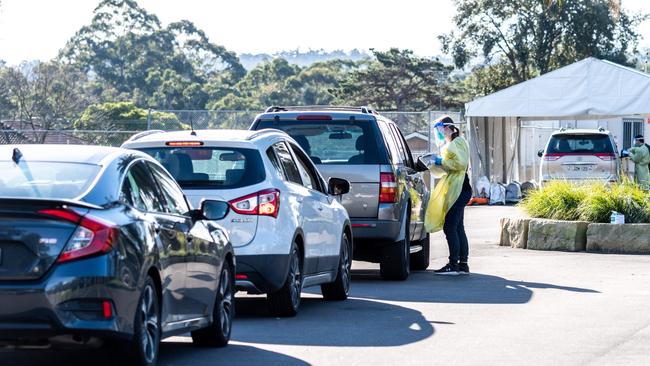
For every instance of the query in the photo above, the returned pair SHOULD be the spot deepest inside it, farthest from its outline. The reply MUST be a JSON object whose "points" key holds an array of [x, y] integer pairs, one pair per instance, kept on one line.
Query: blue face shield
{"points": [[439, 134]]}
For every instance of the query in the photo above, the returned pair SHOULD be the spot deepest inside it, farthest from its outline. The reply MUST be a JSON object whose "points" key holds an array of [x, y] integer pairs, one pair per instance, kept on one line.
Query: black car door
{"points": [[204, 258], [140, 191]]}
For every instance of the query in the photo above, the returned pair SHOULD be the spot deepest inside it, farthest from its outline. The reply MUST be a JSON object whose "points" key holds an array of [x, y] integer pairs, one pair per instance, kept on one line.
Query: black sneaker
{"points": [[463, 268], [449, 269]]}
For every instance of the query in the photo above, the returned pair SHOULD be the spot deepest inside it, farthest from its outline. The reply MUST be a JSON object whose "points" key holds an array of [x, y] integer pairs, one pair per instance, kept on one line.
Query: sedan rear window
{"points": [[46, 179], [210, 167], [589, 144], [333, 142]]}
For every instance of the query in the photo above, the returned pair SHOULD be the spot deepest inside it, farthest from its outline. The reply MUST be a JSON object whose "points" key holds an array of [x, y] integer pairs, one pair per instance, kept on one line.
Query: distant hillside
{"points": [[301, 58]]}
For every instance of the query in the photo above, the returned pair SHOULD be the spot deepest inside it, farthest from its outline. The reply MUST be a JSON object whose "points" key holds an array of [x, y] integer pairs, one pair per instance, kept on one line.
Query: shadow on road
{"points": [[351, 323], [427, 287], [181, 354], [171, 354]]}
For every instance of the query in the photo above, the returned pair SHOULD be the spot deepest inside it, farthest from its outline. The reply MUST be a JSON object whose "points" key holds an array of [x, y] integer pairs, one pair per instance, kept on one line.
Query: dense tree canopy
{"points": [[134, 58], [519, 39], [125, 62]]}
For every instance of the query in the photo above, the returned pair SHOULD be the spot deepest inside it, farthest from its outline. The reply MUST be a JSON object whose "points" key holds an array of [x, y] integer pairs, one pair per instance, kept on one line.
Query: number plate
{"points": [[580, 168]]}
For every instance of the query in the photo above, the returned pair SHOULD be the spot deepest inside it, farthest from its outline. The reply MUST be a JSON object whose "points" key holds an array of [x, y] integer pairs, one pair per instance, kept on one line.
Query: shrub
{"points": [[625, 198], [593, 202], [558, 200]]}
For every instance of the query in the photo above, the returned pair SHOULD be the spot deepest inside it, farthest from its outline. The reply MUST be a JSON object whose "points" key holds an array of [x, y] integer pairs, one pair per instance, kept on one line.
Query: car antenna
{"points": [[193, 133], [17, 154]]}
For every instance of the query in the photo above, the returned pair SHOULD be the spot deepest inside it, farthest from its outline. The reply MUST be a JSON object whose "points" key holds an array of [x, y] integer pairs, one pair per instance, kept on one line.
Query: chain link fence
{"points": [[416, 127]]}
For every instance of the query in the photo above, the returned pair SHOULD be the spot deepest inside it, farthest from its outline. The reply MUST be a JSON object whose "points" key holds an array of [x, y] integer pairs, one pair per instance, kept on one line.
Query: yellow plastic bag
{"points": [[455, 161]]}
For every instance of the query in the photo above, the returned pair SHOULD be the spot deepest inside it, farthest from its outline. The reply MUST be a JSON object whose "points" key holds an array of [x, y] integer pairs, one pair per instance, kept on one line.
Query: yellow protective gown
{"points": [[455, 160], [640, 155]]}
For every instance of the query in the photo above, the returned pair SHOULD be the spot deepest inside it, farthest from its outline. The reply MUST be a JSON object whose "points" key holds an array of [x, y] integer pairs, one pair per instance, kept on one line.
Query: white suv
{"points": [[287, 226]]}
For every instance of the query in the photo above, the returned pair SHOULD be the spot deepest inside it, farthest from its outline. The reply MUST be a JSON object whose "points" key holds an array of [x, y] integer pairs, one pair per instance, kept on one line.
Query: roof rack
{"points": [[337, 108], [142, 134]]}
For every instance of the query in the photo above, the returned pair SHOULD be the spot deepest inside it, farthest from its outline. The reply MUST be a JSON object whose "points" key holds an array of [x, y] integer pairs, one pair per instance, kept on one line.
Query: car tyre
{"points": [[420, 260], [217, 334], [142, 350], [340, 288], [286, 301], [395, 264]]}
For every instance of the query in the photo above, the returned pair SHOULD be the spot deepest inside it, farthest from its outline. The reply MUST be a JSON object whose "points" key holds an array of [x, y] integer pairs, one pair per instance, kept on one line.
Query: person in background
{"points": [[640, 155], [446, 210]]}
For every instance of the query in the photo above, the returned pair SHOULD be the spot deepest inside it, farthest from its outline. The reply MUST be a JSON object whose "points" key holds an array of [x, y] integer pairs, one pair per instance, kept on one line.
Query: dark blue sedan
{"points": [[98, 246]]}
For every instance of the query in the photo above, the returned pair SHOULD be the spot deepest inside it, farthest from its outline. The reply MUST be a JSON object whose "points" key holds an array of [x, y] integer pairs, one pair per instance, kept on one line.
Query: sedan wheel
{"points": [[218, 333]]}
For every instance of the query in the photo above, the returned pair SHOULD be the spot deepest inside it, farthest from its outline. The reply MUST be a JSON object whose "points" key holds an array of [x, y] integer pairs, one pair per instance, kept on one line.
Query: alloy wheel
{"points": [[150, 330], [226, 304]]}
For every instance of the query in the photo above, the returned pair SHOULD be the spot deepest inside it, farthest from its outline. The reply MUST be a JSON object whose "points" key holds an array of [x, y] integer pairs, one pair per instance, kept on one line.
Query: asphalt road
{"points": [[517, 307]]}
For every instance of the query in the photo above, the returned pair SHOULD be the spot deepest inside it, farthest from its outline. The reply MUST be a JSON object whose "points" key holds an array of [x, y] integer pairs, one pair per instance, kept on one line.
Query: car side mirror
{"points": [[540, 153], [421, 166], [338, 186], [214, 210], [625, 154]]}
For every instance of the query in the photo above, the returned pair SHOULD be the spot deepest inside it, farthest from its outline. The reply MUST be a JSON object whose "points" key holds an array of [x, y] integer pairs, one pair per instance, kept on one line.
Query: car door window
{"points": [[139, 190], [308, 177], [174, 199], [277, 167], [401, 143], [400, 148], [289, 165], [390, 140]]}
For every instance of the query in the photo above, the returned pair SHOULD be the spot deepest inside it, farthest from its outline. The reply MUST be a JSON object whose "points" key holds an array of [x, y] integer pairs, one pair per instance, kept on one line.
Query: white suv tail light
{"points": [[263, 203]]}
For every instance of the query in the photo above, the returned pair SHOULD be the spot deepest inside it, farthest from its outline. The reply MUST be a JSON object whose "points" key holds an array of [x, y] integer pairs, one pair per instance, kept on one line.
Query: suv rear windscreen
{"points": [[576, 144], [333, 142], [210, 167]]}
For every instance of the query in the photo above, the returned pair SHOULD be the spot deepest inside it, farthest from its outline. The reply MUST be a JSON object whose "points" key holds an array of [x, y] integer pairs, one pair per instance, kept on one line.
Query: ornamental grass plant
{"points": [[592, 202]]}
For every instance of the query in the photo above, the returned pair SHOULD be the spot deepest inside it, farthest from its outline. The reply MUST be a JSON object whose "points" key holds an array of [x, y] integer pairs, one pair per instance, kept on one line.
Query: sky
{"points": [[37, 29]]}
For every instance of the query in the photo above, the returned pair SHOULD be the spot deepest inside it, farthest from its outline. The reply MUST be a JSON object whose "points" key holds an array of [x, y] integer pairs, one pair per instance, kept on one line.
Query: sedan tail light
{"points": [[263, 203], [92, 236], [387, 188]]}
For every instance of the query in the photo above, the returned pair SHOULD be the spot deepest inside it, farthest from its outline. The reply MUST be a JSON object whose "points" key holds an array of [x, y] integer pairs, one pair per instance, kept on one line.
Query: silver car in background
{"points": [[580, 155], [388, 195]]}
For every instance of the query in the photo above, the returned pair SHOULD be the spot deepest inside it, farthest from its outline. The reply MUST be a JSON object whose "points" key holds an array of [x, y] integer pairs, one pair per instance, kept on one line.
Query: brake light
{"points": [[553, 156], [606, 156], [107, 309], [314, 117], [184, 143], [387, 188], [92, 236], [241, 277], [263, 203]]}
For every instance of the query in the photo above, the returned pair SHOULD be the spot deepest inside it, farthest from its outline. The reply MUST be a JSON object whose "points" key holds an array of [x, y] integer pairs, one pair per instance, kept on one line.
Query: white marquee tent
{"points": [[586, 90]]}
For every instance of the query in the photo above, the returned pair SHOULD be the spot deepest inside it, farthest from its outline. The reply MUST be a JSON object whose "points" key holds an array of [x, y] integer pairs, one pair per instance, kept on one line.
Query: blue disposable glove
{"points": [[438, 160]]}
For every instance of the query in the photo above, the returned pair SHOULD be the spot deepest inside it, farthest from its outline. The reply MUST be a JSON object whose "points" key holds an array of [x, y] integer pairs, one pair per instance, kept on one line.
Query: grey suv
{"points": [[388, 195]]}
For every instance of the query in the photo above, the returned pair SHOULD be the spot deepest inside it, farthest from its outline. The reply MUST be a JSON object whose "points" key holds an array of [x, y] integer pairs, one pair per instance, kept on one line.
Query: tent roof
{"points": [[587, 89]]}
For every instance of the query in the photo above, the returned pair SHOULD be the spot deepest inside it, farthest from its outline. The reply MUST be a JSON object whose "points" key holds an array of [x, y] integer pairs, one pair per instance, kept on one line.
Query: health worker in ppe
{"points": [[640, 155], [446, 209]]}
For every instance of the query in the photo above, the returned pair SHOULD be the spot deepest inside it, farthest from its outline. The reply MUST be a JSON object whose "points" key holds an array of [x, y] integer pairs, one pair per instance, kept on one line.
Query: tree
{"points": [[133, 56], [45, 95], [529, 37], [115, 120], [397, 80]]}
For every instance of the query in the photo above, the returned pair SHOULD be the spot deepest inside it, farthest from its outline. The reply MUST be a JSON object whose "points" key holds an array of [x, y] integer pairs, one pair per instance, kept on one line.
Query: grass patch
{"points": [[592, 202]]}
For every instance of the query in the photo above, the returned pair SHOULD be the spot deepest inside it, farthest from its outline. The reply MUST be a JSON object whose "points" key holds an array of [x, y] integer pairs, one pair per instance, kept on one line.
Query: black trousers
{"points": [[454, 228]]}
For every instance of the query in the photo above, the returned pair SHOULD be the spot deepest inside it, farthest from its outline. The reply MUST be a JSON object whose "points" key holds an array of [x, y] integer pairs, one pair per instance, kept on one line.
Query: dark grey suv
{"points": [[388, 195], [99, 244]]}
